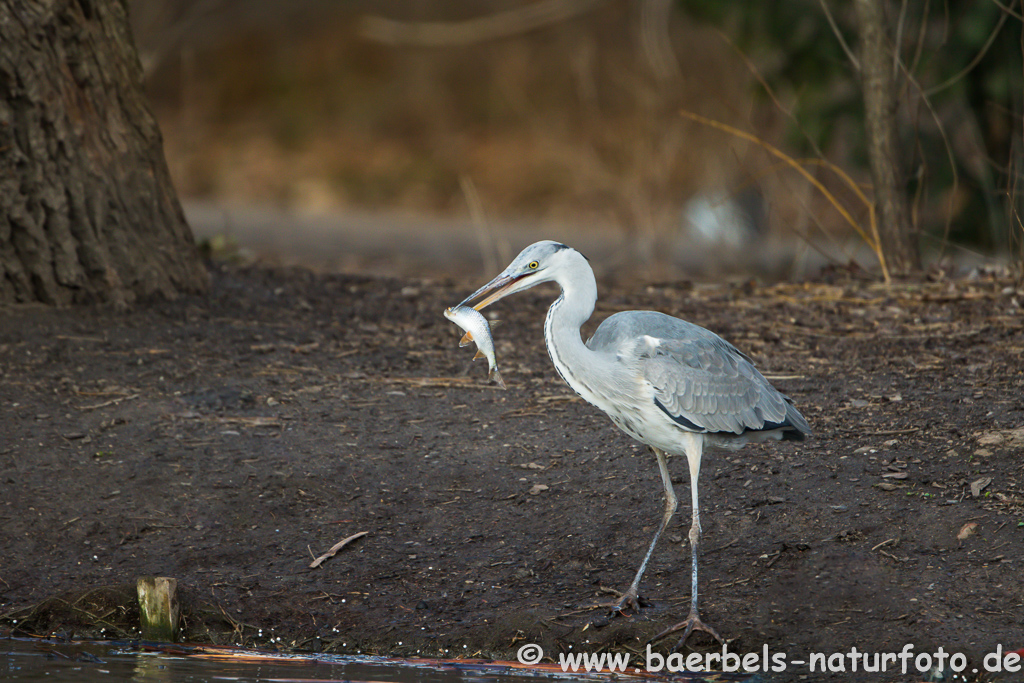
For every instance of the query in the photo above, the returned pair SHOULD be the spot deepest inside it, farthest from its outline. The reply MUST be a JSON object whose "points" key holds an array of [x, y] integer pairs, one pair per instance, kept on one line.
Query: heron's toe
{"points": [[688, 626], [627, 601]]}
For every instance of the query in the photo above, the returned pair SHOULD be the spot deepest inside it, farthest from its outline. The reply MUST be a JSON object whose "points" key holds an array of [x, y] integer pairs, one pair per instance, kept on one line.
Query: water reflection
{"points": [[61, 662]]}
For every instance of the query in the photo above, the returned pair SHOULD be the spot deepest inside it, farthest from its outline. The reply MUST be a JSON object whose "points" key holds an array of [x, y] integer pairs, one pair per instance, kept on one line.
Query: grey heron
{"points": [[666, 382]]}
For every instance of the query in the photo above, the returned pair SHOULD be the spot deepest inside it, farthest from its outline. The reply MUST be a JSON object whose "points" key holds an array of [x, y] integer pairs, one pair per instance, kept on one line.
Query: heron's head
{"points": [[539, 262]]}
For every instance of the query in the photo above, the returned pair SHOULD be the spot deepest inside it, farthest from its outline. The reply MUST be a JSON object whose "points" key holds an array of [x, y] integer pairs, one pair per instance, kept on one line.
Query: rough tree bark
{"points": [[898, 240], [87, 208]]}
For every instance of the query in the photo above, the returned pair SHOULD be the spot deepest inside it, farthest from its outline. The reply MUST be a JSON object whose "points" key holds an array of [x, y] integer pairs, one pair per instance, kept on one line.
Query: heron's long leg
{"points": [[629, 598], [694, 462], [692, 622]]}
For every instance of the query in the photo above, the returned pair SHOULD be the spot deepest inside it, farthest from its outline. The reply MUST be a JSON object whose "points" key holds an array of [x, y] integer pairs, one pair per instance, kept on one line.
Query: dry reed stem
{"points": [[873, 241]]}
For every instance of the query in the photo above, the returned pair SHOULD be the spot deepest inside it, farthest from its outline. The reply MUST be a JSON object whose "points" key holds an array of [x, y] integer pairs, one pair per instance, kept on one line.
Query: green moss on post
{"points": [[158, 605]]}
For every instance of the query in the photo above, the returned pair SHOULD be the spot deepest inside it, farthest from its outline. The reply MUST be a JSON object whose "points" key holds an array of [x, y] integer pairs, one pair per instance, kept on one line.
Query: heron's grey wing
{"points": [[707, 385]]}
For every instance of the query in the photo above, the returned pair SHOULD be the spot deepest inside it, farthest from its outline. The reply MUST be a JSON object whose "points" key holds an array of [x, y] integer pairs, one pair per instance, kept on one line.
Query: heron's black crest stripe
{"points": [[679, 419], [559, 247]]}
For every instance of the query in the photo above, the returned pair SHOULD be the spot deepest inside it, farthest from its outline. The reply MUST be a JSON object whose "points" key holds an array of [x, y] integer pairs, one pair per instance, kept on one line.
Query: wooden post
{"points": [[158, 605]]}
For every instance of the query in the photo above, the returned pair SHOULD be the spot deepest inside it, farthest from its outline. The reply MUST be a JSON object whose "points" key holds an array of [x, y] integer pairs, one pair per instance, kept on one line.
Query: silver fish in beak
{"points": [[479, 331]]}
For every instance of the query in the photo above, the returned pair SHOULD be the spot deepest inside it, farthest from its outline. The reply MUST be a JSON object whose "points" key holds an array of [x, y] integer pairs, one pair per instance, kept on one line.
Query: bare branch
{"points": [[1009, 9], [756, 73], [977, 58], [920, 38], [839, 35], [898, 42], [949, 152]]}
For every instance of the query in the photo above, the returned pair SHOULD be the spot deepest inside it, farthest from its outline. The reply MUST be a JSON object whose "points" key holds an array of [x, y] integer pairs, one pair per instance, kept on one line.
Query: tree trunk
{"points": [[898, 240], [87, 208]]}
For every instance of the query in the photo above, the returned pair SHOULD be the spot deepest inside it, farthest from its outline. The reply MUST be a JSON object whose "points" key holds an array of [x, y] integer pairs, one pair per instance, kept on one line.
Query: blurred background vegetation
{"points": [[564, 114]]}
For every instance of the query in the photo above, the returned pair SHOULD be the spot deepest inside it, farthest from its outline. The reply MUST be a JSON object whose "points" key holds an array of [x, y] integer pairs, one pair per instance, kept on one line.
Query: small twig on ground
{"points": [[723, 547], [883, 544], [112, 402], [893, 557], [95, 617], [250, 421], [887, 432], [737, 582], [453, 382], [335, 548], [235, 626]]}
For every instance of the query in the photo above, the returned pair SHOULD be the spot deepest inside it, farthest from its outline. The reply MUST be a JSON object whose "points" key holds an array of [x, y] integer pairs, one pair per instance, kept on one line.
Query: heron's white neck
{"points": [[576, 363]]}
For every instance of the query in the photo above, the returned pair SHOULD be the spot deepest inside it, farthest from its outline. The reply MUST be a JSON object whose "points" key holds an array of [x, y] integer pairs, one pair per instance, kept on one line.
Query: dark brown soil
{"points": [[228, 440]]}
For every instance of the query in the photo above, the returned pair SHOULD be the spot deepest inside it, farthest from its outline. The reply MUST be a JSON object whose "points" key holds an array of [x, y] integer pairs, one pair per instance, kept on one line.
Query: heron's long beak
{"points": [[498, 288]]}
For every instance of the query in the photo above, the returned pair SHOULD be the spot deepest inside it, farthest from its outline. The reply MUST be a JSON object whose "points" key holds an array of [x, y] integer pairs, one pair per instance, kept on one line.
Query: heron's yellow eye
{"points": [[534, 265]]}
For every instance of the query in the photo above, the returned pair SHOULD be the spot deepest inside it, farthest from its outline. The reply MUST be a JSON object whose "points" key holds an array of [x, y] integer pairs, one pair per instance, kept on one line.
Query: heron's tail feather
{"points": [[798, 427]]}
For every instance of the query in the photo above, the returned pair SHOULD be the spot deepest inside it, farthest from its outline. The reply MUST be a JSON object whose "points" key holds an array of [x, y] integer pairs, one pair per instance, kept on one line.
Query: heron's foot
{"points": [[688, 626], [627, 601]]}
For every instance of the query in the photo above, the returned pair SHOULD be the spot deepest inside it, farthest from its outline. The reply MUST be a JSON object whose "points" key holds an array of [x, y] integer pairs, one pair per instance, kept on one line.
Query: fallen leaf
{"points": [[967, 530], [1012, 500], [1015, 437], [991, 439], [978, 485], [538, 488], [894, 475]]}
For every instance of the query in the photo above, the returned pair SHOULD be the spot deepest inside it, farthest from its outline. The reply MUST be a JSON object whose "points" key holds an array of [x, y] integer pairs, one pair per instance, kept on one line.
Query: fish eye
{"points": [[534, 265]]}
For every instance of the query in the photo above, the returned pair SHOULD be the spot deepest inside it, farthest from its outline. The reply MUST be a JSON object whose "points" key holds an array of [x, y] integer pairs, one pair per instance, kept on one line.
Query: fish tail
{"points": [[493, 374]]}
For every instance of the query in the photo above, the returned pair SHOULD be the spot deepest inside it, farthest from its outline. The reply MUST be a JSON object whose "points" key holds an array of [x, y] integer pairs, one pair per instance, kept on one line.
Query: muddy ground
{"points": [[227, 440]]}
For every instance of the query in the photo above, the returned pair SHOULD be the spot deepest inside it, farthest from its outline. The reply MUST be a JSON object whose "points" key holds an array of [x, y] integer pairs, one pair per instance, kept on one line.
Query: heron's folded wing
{"points": [[706, 385]]}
